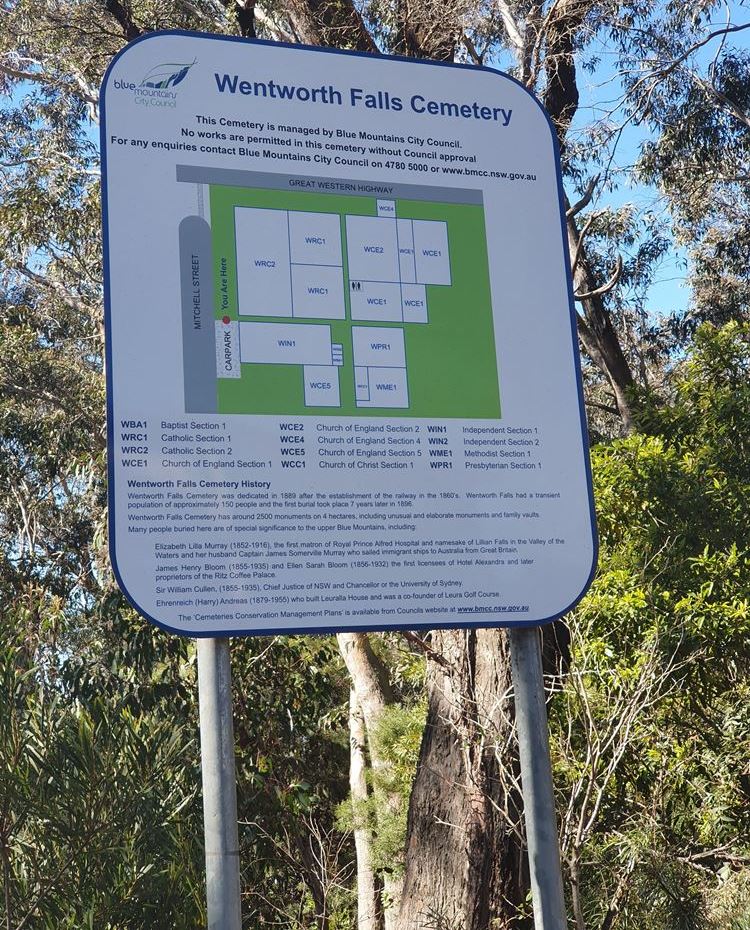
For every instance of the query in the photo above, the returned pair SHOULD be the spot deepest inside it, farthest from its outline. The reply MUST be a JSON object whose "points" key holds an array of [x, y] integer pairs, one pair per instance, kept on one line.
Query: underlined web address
{"points": [[501, 609], [478, 173]]}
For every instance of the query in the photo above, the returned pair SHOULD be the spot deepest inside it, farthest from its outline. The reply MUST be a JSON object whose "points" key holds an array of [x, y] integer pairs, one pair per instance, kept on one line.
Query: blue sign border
{"points": [[491, 620]]}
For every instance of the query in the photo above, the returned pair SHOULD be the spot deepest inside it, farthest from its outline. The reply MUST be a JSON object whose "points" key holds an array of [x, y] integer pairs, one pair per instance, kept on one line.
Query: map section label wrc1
{"points": [[343, 389]]}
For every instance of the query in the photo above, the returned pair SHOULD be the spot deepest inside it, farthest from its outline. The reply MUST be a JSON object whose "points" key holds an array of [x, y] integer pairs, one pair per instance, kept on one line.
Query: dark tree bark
{"points": [[464, 860], [419, 36], [124, 17], [244, 11], [555, 648], [336, 23], [246, 18], [561, 93]]}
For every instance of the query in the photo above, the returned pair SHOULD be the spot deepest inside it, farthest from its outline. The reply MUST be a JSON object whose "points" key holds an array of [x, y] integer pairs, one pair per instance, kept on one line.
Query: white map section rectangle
{"points": [[380, 346], [262, 244], [406, 251], [361, 384], [386, 208], [414, 303], [379, 301], [372, 248], [387, 388], [431, 252], [318, 291], [315, 238], [321, 386], [285, 344], [227, 350]]}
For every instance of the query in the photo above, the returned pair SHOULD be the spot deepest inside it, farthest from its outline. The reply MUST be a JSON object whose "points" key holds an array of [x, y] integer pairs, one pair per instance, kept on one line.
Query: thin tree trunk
{"points": [[371, 685], [574, 867], [595, 327], [369, 677], [369, 915], [598, 334]]}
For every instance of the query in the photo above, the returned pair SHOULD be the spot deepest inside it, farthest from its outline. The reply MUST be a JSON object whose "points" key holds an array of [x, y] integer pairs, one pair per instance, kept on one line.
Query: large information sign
{"points": [[342, 370]]}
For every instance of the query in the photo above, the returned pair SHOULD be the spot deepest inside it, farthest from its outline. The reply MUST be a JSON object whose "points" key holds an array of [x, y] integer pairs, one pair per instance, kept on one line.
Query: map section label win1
{"points": [[343, 389]]}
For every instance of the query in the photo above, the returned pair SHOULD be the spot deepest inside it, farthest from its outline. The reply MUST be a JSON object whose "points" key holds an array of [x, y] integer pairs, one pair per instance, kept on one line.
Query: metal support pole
{"points": [[219, 785], [536, 779]]}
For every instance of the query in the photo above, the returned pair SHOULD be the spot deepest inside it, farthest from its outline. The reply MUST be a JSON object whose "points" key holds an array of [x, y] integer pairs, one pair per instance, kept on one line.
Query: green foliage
{"points": [[291, 698], [398, 736], [99, 809], [397, 739], [652, 728], [730, 904]]}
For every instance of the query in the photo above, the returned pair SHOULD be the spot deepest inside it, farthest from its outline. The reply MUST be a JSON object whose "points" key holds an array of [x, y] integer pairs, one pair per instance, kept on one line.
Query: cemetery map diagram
{"points": [[312, 296]]}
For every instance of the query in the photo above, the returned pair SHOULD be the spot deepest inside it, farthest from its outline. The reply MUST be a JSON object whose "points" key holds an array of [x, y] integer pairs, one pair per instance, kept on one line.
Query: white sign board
{"points": [[342, 359]]}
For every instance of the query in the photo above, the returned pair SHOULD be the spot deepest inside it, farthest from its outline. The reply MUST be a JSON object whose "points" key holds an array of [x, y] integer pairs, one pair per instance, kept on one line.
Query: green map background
{"points": [[451, 361]]}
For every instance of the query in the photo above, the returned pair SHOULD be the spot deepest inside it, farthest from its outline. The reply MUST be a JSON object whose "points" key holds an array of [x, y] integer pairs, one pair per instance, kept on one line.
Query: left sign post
{"points": [[219, 786], [221, 839]]}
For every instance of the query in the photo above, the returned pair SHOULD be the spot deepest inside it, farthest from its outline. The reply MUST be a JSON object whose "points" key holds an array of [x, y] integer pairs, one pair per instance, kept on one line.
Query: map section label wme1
{"points": [[343, 388]]}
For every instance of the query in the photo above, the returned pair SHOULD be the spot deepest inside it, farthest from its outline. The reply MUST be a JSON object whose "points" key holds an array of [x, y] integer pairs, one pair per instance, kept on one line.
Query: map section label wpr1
{"points": [[343, 389]]}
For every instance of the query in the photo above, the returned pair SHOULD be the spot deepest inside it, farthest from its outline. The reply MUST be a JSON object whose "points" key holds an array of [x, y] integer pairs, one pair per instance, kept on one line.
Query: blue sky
{"points": [[600, 92]]}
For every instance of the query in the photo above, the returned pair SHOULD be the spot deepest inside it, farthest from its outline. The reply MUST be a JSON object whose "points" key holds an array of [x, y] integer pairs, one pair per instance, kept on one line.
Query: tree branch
{"points": [[585, 200], [40, 77], [423, 647], [651, 79], [471, 49], [124, 18], [726, 102], [511, 28], [579, 245], [606, 287], [605, 407]]}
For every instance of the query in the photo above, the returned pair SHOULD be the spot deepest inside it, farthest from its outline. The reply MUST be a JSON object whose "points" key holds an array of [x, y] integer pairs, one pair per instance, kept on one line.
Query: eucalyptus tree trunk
{"points": [[464, 861]]}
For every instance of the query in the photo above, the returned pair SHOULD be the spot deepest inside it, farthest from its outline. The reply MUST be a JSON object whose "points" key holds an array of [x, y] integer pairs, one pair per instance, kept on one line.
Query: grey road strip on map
{"points": [[230, 177], [198, 328]]}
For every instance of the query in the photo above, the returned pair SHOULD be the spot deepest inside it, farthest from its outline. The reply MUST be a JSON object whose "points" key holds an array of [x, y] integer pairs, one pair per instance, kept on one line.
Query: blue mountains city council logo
{"points": [[164, 76], [156, 89]]}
